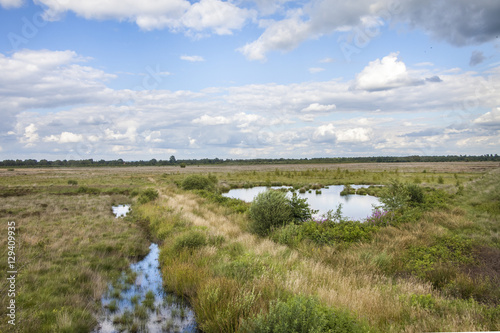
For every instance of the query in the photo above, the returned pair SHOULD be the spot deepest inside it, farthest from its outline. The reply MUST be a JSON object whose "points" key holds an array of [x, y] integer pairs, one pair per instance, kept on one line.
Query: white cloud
{"points": [[192, 58], [324, 133], [154, 136], [220, 17], [314, 70], [30, 136], [64, 137], [209, 120], [490, 119], [95, 121], [129, 136], [49, 79], [316, 107], [283, 35], [353, 135], [383, 74], [11, 3], [459, 22]]}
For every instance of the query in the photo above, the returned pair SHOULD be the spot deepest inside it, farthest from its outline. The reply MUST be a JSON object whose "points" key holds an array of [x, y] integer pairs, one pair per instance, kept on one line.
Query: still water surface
{"points": [[169, 315], [356, 207]]}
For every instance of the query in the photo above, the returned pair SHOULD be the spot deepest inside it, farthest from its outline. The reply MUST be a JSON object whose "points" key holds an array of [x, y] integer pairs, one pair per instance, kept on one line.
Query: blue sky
{"points": [[248, 79]]}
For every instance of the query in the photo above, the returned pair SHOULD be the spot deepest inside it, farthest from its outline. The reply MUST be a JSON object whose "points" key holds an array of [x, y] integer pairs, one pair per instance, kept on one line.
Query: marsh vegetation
{"points": [[427, 260]]}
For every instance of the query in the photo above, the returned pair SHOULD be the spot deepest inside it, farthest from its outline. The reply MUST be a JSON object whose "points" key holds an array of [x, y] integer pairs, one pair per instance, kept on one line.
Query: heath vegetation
{"points": [[425, 260]]}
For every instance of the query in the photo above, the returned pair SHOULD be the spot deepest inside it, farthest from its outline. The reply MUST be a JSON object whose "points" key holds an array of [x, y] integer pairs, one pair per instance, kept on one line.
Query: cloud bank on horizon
{"points": [[210, 78]]}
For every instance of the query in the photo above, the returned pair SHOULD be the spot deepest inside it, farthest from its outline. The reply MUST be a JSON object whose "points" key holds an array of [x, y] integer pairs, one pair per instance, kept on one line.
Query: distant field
{"points": [[467, 167]]}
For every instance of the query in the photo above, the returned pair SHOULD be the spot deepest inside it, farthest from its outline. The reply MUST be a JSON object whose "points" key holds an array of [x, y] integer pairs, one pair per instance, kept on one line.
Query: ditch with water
{"points": [[356, 207], [137, 302]]}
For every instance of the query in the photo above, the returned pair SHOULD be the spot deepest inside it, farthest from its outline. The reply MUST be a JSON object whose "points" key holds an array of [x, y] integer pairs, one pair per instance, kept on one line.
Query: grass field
{"points": [[436, 269]]}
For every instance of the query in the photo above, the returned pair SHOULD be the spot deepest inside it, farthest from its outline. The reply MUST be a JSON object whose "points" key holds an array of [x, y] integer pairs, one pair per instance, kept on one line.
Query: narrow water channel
{"points": [[137, 302]]}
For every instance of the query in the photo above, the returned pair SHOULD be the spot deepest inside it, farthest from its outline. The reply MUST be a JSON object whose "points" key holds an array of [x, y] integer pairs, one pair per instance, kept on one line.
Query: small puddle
{"points": [[121, 210], [137, 302]]}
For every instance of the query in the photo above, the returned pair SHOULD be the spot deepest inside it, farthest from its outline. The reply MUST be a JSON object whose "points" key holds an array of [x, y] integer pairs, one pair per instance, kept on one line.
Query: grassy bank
{"points": [[429, 272]]}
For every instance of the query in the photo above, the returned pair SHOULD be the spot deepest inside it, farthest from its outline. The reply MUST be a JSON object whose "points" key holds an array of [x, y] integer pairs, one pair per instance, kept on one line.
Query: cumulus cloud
{"points": [[219, 17], [383, 74], [11, 3]]}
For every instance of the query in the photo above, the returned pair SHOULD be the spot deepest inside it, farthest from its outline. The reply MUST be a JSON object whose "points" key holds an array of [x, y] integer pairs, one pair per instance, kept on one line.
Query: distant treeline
{"points": [[172, 161]]}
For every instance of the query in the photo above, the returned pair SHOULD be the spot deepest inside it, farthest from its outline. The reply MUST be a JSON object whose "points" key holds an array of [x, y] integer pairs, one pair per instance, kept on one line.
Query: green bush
{"points": [[395, 196], [199, 182], [301, 211], [190, 240], [147, 196], [270, 209], [415, 194], [182, 165], [301, 314], [398, 196]]}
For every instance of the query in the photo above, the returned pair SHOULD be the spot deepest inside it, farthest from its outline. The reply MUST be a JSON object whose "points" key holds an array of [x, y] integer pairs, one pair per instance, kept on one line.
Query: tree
{"points": [[172, 159]]}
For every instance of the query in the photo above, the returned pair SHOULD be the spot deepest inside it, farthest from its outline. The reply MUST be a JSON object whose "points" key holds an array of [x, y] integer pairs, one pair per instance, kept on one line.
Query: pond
{"points": [[356, 207], [138, 302]]}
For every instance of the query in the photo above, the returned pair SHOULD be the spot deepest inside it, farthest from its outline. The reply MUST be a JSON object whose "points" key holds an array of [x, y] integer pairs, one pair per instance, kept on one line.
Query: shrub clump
{"points": [[147, 196], [400, 196], [348, 189], [199, 182], [301, 211], [269, 210], [302, 314]]}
